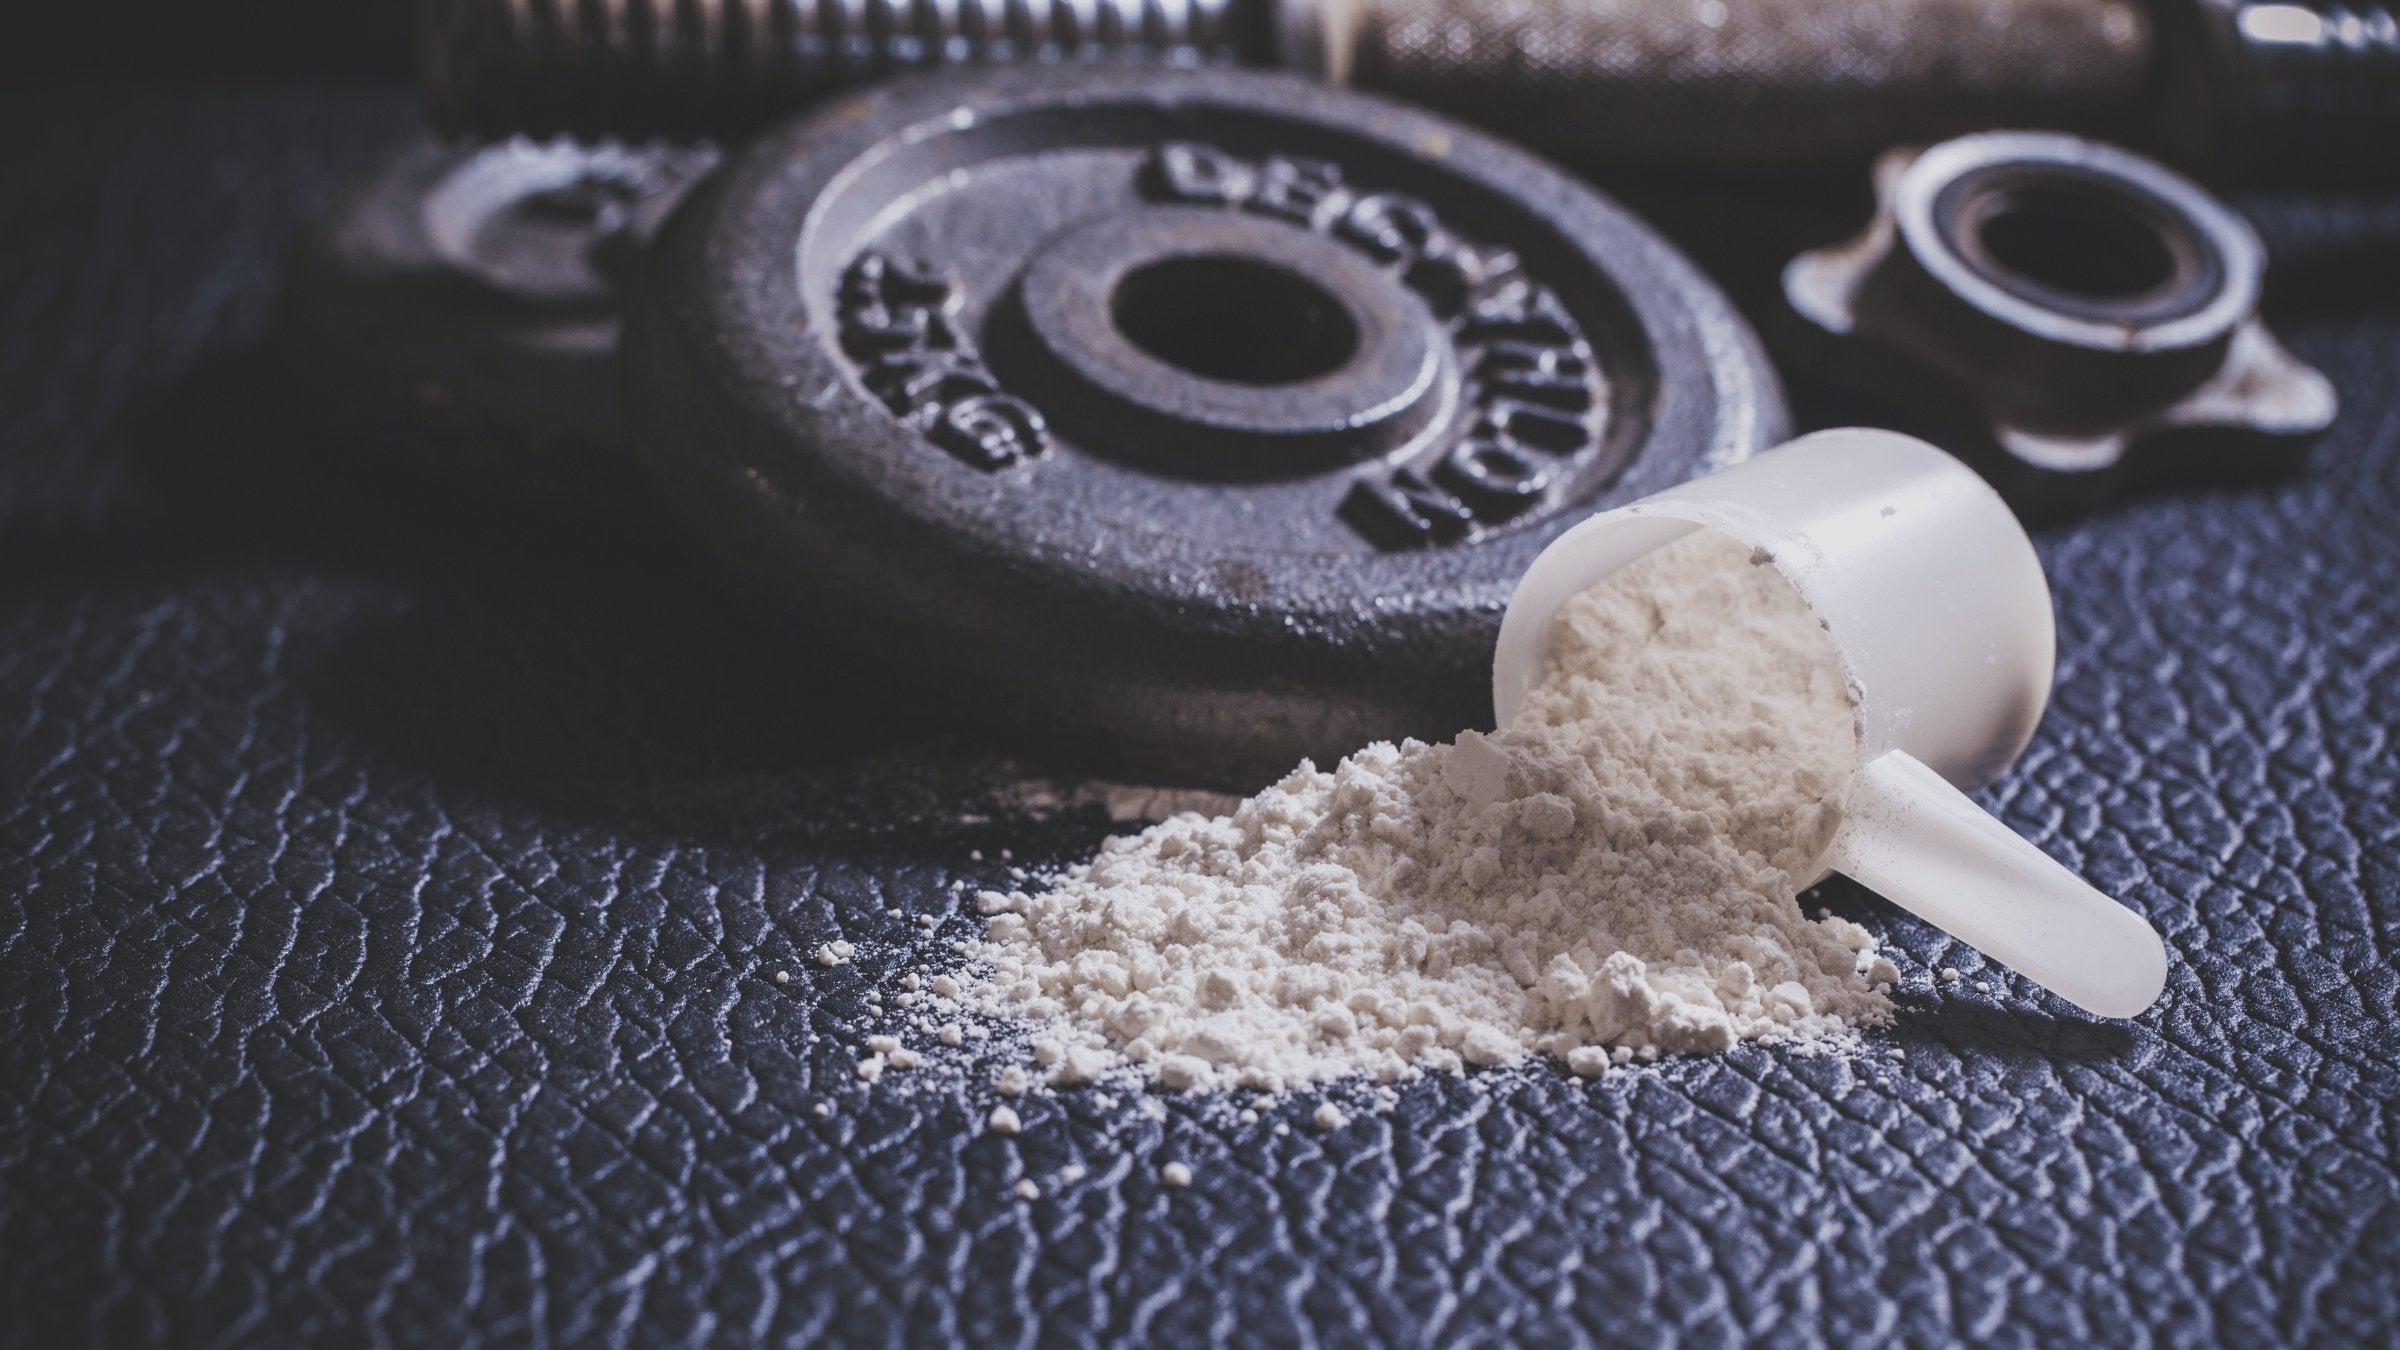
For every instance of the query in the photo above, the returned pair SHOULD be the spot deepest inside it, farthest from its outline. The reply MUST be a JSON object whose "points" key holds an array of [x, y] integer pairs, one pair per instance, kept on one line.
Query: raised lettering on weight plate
{"points": [[1190, 172], [1399, 509], [1531, 376], [1390, 227], [991, 430], [1560, 377], [1494, 475], [896, 325]]}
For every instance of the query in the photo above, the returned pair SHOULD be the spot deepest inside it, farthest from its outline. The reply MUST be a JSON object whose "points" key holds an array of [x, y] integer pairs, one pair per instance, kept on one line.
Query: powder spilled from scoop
{"points": [[1613, 877]]}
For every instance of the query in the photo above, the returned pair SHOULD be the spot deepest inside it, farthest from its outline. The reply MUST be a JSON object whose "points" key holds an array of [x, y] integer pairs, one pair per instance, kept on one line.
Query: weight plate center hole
{"points": [[2077, 242], [1234, 319]]}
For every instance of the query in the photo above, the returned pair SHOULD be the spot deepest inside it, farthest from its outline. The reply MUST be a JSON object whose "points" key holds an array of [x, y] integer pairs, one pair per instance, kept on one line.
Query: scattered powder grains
{"points": [[1611, 877]]}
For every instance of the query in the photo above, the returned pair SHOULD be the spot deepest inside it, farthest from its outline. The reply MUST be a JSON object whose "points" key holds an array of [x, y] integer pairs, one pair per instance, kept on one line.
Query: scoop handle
{"points": [[1926, 847]]}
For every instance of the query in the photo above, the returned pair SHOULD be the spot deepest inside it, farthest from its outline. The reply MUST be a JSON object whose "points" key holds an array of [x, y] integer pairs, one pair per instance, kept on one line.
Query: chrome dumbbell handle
{"points": [[716, 67], [1755, 82], [2219, 85]]}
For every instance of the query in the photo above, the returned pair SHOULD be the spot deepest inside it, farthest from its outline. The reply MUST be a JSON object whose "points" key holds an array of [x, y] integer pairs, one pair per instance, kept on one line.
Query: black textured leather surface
{"points": [[390, 890]]}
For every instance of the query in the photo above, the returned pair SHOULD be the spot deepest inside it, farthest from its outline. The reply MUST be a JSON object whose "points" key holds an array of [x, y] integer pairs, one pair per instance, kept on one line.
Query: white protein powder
{"points": [[1611, 877]]}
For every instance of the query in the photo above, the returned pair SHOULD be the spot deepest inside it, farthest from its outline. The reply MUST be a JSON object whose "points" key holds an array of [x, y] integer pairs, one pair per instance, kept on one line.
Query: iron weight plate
{"points": [[1190, 422], [459, 312]]}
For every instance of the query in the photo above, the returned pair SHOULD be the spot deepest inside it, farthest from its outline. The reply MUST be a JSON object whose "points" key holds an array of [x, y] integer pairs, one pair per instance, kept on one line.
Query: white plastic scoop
{"points": [[1942, 617]]}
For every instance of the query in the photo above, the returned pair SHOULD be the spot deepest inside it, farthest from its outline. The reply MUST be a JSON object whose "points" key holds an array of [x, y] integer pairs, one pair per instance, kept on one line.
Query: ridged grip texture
{"points": [[1755, 81], [720, 67]]}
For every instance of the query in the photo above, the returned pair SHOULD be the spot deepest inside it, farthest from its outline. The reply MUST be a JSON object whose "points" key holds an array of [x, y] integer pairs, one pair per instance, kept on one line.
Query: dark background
{"points": [[215, 41], [390, 885]]}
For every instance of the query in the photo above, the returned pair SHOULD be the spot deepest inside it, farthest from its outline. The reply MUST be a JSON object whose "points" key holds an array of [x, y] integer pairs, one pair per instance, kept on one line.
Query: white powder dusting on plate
{"points": [[1612, 877], [1124, 802]]}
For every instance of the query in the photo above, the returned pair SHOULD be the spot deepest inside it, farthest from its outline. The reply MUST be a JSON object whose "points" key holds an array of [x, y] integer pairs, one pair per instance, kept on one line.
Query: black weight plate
{"points": [[459, 312], [1199, 420]]}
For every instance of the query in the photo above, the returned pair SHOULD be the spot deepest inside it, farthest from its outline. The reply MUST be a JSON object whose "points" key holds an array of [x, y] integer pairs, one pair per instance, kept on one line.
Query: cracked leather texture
{"points": [[391, 888]]}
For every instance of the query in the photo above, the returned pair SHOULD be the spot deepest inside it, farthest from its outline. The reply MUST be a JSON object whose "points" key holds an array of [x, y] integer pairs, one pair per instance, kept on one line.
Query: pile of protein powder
{"points": [[1612, 877]]}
